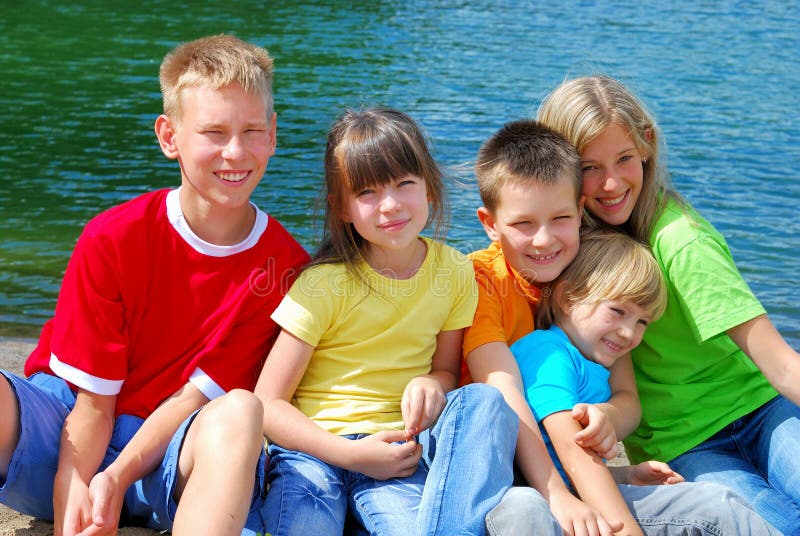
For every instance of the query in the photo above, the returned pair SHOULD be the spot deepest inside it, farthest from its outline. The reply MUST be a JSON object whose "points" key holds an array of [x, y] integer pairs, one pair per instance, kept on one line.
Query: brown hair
{"points": [[521, 152], [371, 147]]}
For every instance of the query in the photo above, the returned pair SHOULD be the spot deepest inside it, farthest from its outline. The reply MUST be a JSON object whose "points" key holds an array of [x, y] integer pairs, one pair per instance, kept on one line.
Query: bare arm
{"points": [[288, 427], [139, 457], [588, 472], [84, 440], [606, 423], [424, 396], [494, 364], [779, 363]]}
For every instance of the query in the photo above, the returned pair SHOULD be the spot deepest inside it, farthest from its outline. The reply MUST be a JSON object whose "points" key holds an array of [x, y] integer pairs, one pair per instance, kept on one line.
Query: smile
{"points": [[612, 346], [393, 225], [544, 259], [613, 203], [232, 176]]}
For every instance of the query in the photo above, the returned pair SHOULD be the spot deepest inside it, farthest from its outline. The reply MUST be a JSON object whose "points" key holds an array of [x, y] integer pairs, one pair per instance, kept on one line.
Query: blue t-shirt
{"points": [[556, 376]]}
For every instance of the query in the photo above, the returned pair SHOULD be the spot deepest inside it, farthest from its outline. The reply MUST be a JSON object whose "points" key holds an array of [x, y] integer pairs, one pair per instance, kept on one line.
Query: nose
{"points": [[542, 237], [233, 149], [610, 183], [389, 201]]}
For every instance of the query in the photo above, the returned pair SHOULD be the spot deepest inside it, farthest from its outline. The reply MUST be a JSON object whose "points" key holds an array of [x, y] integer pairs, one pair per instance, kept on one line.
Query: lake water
{"points": [[80, 93]]}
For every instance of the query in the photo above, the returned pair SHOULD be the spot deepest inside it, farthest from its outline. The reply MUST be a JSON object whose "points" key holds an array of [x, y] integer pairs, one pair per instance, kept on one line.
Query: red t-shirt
{"points": [[146, 305]]}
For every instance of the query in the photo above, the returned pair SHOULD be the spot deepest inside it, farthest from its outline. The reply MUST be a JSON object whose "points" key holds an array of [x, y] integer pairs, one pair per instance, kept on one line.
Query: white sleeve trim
{"points": [[207, 386], [75, 376]]}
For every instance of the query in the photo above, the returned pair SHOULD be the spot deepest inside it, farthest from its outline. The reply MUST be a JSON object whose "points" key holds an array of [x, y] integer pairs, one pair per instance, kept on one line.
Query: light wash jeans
{"points": [[758, 456], [693, 508], [465, 469], [690, 509]]}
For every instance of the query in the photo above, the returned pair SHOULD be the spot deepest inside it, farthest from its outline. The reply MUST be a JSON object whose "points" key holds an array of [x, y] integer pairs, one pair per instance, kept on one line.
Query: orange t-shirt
{"points": [[506, 304]]}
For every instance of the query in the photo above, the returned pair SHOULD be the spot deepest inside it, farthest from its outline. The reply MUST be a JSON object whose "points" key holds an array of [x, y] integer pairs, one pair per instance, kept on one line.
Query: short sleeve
{"points": [[465, 293], [309, 309], [551, 383], [712, 294], [487, 325], [89, 343]]}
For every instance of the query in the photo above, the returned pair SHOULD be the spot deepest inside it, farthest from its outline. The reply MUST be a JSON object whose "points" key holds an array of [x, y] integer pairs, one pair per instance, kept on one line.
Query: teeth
{"points": [[544, 257], [232, 177], [609, 202]]}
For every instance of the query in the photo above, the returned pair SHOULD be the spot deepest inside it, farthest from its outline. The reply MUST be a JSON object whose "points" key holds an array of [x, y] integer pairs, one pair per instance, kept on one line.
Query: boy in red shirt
{"points": [[161, 326]]}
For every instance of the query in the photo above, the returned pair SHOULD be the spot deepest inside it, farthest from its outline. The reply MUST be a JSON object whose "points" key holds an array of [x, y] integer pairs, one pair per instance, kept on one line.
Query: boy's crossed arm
{"points": [[92, 505]]}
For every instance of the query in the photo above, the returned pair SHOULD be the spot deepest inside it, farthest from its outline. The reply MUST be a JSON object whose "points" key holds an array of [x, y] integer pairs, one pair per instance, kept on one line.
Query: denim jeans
{"points": [[758, 456], [693, 508], [522, 512], [465, 469]]}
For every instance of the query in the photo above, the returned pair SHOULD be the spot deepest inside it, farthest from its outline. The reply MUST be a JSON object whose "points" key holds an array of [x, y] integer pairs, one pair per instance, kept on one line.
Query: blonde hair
{"points": [[371, 147], [525, 152], [215, 62], [580, 109], [610, 266]]}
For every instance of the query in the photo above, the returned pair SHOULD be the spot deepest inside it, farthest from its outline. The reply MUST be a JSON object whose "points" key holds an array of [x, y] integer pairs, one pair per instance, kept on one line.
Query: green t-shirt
{"points": [[693, 380], [372, 334]]}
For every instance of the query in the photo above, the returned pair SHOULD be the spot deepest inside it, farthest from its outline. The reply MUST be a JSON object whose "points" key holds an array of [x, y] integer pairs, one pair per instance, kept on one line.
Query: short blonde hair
{"points": [[610, 266], [525, 152], [581, 108], [215, 61]]}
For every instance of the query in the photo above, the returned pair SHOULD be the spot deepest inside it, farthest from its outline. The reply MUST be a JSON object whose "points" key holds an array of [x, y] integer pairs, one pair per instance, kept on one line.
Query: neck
{"points": [[218, 225], [397, 264]]}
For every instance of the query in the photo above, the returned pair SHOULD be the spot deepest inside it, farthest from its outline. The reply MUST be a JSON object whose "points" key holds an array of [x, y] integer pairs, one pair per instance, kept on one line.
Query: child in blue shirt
{"points": [[596, 312]]}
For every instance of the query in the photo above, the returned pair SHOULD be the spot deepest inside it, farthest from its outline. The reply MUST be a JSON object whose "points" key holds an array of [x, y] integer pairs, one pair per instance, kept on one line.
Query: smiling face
{"points": [[389, 217], [606, 331], [537, 226], [612, 175], [223, 142]]}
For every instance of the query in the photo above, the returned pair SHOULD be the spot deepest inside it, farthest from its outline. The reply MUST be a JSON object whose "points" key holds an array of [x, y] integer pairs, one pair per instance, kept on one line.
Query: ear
{"points": [[165, 132], [489, 225], [272, 125], [560, 299], [581, 204]]}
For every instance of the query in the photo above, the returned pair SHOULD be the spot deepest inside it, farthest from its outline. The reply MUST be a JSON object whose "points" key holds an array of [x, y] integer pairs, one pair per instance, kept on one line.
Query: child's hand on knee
{"points": [[386, 455], [598, 432], [422, 403]]}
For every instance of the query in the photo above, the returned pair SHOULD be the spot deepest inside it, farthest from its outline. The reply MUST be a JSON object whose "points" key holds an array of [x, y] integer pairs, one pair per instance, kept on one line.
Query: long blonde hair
{"points": [[610, 266], [581, 108]]}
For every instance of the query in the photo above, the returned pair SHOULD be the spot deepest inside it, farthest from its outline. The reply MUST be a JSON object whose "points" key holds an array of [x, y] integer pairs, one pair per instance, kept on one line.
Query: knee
{"points": [[489, 401], [522, 510], [237, 414]]}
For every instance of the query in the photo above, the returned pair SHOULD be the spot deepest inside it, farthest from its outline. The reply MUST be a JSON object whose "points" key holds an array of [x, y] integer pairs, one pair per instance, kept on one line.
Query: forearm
{"points": [[148, 446], [623, 408], [287, 426]]}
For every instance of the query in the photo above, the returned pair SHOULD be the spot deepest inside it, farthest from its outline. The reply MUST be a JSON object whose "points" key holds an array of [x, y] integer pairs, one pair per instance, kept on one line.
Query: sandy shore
{"points": [[13, 353]]}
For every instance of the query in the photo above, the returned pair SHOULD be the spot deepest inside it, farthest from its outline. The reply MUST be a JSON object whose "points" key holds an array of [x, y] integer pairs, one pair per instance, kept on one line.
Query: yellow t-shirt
{"points": [[372, 334], [506, 304]]}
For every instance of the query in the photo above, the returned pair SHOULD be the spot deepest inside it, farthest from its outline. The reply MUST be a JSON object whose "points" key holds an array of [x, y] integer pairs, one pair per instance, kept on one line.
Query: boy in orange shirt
{"points": [[529, 179]]}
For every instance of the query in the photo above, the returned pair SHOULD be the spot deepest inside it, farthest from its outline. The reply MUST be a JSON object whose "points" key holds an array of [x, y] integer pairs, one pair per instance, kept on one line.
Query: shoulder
{"points": [[678, 227], [135, 213]]}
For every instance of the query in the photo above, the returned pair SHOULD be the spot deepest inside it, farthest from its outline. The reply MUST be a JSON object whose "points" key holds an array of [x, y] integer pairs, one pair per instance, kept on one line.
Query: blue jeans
{"points": [[696, 508], [522, 512], [757, 456], [465, 469]]}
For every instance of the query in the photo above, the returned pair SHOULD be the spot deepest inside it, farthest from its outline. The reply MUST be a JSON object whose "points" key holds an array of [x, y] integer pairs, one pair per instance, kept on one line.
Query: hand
{"points": [[422, 403], [72, 506], [652, 473], [578, 518], [598, 432], [381, 457]]}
